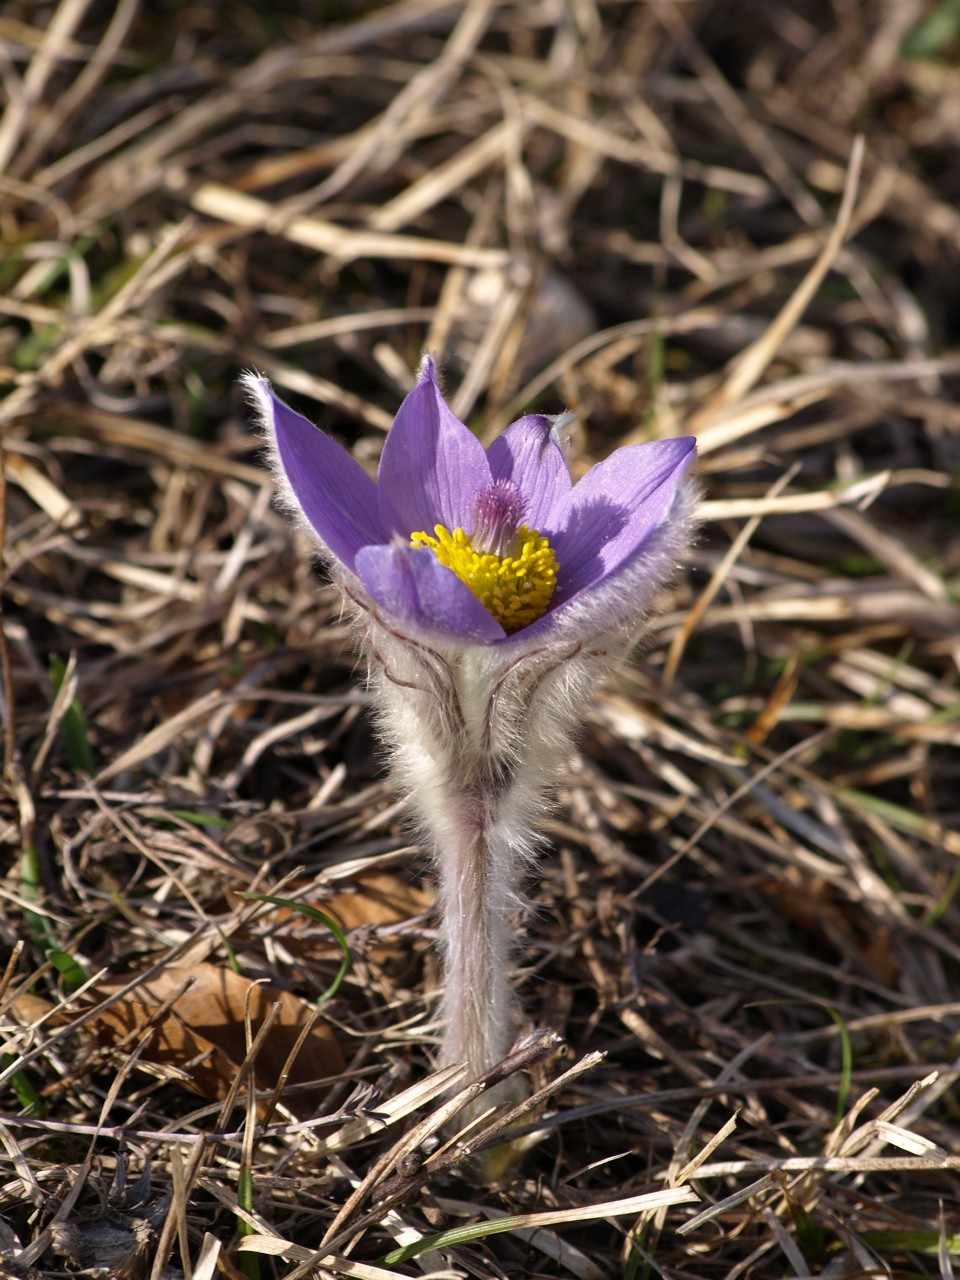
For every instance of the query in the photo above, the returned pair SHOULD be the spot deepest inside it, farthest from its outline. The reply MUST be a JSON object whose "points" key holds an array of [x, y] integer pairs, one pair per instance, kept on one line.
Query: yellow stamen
{"points": [[515, 588]]}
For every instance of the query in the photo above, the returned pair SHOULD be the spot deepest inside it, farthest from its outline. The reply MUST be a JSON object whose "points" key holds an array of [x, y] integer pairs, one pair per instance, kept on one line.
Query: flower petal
{"points": [[527, 453], [614, 509], [322, 480], [416, 590], [613, 609], [432, 466]]}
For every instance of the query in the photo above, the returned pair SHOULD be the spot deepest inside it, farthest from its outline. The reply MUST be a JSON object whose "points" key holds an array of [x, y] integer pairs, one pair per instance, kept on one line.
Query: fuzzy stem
{"points": [[455, 722], [476, 892]]}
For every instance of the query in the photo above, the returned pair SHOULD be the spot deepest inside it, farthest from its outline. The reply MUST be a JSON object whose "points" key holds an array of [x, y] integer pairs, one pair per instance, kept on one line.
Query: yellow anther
{"points": [[516, 588]]}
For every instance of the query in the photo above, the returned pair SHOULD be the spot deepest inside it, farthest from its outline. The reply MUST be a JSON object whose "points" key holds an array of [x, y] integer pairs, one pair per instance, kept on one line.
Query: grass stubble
{"points": [[744, 944]]}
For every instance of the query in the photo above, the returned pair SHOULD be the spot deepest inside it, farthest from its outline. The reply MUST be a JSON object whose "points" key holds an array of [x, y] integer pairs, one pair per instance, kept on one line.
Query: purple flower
{"points": [[486, 547], [491, 594]]}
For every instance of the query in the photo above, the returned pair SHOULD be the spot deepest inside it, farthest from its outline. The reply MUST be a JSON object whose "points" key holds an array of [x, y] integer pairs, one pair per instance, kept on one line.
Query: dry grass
{"points": [[747, 930]]}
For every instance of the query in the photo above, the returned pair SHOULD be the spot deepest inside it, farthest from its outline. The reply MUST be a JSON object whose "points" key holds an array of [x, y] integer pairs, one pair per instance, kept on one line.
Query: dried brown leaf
{"points": [[193, 1020]]}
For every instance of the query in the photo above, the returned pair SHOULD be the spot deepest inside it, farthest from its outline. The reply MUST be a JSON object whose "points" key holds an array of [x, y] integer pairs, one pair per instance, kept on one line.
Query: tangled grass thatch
{"points": [[746, 935]]}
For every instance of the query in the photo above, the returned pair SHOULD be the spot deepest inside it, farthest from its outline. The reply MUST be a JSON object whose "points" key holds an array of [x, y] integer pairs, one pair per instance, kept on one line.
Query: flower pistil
{"points": [[509, 567]]}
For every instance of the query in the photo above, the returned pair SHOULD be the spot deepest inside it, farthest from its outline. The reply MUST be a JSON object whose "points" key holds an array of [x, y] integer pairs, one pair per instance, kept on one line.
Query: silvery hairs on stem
{"points": [[490, 595]]}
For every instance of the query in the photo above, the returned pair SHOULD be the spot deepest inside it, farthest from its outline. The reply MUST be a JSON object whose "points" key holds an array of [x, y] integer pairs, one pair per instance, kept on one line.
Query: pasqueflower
{"points": [[490, 593]]}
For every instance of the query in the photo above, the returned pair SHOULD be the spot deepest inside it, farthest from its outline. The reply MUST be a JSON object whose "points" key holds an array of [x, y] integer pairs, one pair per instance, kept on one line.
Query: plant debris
{"points": [[218, 991]]}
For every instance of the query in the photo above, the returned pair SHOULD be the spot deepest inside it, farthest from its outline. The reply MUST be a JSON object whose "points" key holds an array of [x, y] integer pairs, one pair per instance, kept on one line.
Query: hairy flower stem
{"points": [[477, 890], [470, 749]]}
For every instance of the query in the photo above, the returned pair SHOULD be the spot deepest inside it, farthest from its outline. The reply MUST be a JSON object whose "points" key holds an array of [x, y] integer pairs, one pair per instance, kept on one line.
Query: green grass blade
{"points": [[320, 917], [39, 925], [30, 1101], [249, 1262], [68, 967], [73, 727]]}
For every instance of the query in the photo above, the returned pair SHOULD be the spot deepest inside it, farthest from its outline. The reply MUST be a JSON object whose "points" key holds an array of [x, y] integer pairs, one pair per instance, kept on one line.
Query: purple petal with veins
{"points": [[411, 586], [333, 491], [526, 453], [614, 509], [432, 466]]}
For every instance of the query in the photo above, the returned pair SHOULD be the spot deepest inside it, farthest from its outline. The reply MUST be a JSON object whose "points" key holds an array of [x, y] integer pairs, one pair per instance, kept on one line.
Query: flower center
{"points": [[509, 567], [498, 514]]}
